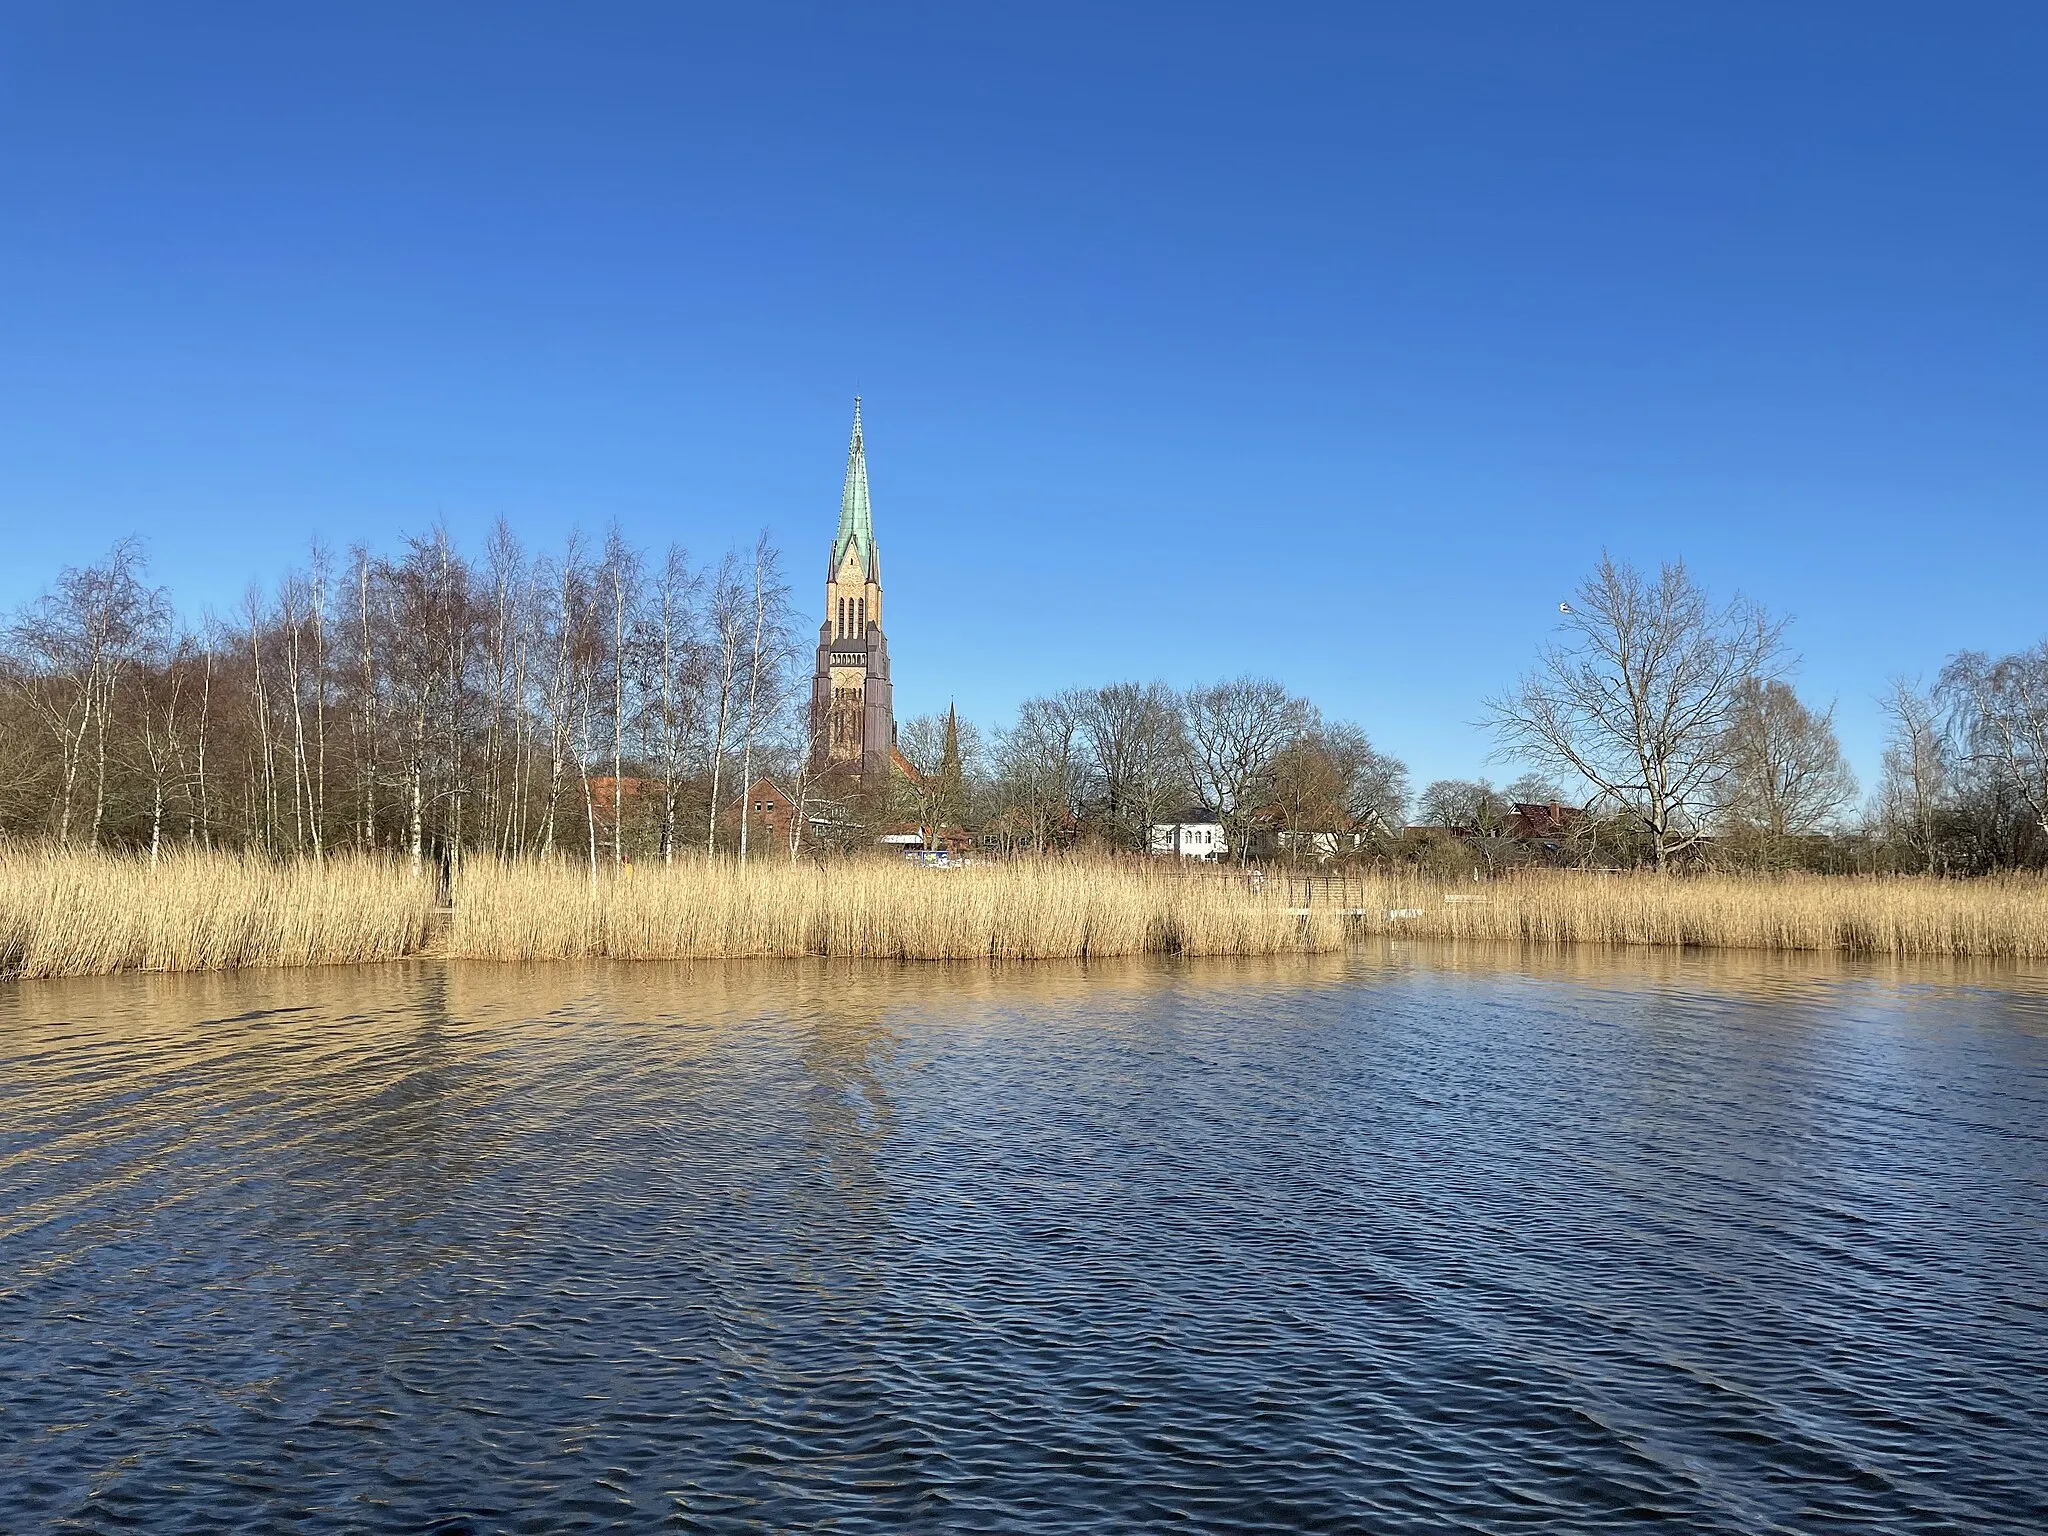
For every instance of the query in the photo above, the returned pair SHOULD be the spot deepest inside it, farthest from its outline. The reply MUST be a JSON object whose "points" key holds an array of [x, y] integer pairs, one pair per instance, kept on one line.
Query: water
{"points": [[1399, 1241]]}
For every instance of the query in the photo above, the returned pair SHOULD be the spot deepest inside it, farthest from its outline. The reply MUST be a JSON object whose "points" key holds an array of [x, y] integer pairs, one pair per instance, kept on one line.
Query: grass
{"points": [[85, 914]]}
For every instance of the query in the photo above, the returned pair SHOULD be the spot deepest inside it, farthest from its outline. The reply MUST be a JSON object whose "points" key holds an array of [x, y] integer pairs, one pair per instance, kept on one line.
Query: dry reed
{"points": [[1900, 917], [84, 914], [1027, 910]]}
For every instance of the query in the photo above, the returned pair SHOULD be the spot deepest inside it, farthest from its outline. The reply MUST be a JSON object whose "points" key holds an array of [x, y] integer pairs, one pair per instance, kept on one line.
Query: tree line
{"points": [[609, 703], [420, 701], [1676, 718]]}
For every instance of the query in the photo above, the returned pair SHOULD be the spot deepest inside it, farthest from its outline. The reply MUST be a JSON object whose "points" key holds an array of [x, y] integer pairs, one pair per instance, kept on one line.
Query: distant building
{"points": [[768, 813], [852, 707], [1320, 846], [634, 796], [1198, 836], [1269, 831], [1433, 832], [1544, 823], [928, 836]]}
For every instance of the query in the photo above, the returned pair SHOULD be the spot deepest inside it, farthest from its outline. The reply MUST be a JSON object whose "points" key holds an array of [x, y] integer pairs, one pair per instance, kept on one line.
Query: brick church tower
{"points": [[850, 701]]}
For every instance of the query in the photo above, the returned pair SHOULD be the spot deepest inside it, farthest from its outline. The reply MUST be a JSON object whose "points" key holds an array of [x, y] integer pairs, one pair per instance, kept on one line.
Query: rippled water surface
{"points": [[1391, 1242]]}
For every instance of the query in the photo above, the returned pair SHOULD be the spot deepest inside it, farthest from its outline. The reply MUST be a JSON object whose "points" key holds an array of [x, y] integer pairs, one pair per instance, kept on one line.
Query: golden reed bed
{"points": [[1027, 910], [1862, 915], [79, 914], [86, 914]]}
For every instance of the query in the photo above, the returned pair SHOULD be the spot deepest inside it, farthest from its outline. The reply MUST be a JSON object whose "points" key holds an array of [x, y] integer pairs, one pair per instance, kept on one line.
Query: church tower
{"points": [[850, 701]]}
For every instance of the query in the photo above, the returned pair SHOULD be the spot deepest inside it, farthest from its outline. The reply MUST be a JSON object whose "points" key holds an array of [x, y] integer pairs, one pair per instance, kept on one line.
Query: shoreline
{"points": [[85, 914]]}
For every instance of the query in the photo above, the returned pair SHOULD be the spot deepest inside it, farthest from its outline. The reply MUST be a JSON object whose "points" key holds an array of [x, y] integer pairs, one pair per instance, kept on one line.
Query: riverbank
{"points": [[80, 914]]}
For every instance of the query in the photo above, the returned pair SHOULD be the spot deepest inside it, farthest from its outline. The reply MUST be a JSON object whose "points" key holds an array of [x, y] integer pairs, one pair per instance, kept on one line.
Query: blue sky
{"points": [[1330, 343]]}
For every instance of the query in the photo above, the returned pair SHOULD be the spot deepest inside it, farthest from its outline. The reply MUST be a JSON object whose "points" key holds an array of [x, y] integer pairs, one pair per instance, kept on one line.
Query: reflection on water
{"points": [[1412, 1239]]}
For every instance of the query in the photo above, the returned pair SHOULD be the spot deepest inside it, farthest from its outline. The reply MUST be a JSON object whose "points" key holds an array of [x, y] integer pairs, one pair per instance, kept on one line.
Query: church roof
{"points": [[856, 521]]}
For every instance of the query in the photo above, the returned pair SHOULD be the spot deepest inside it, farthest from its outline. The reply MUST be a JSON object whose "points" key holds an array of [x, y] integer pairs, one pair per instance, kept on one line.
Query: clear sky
{"points": [[1330, 343]]}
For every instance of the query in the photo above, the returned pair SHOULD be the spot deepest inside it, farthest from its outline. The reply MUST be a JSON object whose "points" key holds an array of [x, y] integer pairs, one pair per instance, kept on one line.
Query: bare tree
{"points": [[1916, 785], [620, 575], [1374, 783], [320, 579], [676, 660], [1330, 786], [504, 572], [1459, 805], [2001, 707], [424, 619], [73, 646], [807, 770], [473, 703], [201, 827], [566, 609], [1307, 800], [28, 767], [1786, 774], [768, 651], [1639, 697], [164, 716], [1476, 813], [1231, 734], [1537, 789], [294, 601], [921, 739], [1132, 732], [264, 775], [1039, 770], [945, 750], [365, 718], [728, 617]]}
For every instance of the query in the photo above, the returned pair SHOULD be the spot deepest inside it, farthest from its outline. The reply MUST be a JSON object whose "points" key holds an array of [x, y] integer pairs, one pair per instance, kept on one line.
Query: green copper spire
{"points": [[856, 522]]}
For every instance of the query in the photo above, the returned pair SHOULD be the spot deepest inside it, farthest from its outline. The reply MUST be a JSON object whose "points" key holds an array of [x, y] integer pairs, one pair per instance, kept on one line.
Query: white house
{"points": [[1196, 838], [1320, 846]]}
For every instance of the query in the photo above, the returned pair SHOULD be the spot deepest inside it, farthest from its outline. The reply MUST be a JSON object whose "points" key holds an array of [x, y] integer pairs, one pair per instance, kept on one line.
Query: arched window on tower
{"points": [[861, 618]]}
